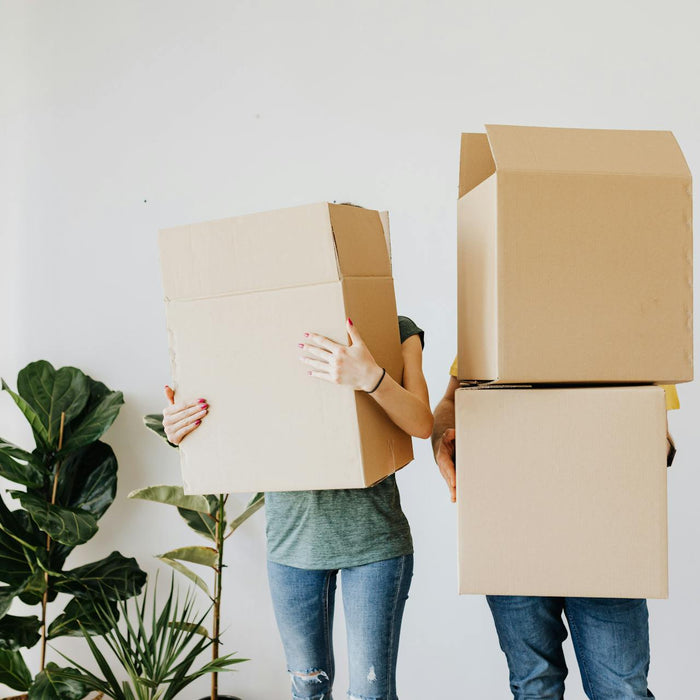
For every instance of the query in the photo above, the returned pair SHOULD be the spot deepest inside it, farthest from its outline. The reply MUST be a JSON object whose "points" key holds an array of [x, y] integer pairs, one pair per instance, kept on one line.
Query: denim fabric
{"points": [[374, 596], [610, 638]]}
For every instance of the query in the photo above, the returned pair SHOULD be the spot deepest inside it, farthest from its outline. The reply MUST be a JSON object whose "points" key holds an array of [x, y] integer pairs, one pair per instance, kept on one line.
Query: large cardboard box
{"points": [[574, 257], [240, 293], [562, 492]]}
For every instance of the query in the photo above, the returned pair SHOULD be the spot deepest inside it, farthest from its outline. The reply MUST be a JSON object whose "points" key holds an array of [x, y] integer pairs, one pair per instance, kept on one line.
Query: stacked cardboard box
{"points": [[240, 293], [575, 297]]}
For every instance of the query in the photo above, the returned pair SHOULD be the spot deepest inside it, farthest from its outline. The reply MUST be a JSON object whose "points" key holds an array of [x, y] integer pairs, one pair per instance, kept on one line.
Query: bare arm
{"points": [[408, 405], [444, 437]]}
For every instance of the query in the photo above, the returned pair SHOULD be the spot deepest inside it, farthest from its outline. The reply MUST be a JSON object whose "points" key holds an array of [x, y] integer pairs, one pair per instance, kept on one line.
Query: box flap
{"points": [[359, 240], [475, 162], [651, 153], [272, 250]]}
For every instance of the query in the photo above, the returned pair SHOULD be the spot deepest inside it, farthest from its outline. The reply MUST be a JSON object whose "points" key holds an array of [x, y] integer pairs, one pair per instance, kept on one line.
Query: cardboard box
{"points": [[574, 257], [240, 293], [562, 492]]}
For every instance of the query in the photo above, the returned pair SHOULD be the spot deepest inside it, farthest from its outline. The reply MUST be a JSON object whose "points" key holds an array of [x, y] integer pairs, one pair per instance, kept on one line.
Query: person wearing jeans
{"points": [[361, 534], [610, 635]]}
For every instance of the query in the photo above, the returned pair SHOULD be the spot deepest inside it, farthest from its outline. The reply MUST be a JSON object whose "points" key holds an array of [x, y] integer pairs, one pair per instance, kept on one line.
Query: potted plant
{"points": [[70, 480], [206, 515], [155, 649]]}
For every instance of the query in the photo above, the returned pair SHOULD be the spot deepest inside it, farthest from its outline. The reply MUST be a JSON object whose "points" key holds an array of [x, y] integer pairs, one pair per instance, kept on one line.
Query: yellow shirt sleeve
{"points": [[453, 369], [672, 401]]}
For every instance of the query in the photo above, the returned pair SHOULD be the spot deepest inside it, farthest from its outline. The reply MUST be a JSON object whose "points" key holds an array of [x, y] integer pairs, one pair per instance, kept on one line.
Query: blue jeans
{"points": [[373, 598], [610, 637]]}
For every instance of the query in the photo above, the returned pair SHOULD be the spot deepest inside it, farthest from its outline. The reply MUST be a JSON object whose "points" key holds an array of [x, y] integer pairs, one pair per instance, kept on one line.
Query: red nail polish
{"points": [[306, 335], [350, 321], [198, 422], [202, 400], [301, 345], [205, 407]]}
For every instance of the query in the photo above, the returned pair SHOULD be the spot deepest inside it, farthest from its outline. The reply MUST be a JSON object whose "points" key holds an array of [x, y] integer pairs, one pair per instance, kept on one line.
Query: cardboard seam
{"points": [[549, 171], [276, 289]]}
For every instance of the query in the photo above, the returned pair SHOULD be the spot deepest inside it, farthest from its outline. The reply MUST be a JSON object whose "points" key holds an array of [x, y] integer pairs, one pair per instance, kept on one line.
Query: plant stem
{"points": [[217, 592], [45, 597]]}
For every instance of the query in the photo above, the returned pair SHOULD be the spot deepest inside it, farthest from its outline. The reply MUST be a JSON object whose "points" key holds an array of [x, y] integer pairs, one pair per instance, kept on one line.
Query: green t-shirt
{"points": [[339, 528]]}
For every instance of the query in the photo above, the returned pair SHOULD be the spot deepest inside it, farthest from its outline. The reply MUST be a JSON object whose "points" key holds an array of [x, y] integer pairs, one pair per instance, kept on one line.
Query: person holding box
{"points": [[312, 535], [610, 635]]}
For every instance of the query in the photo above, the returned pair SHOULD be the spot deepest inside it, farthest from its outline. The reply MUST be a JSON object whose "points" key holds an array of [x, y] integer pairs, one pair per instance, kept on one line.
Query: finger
{"points": [[199, 409], [174, 426], [316, 364], [321, 341], [354, 334], [169, 394], [179, 410], [317, 352], [180, 434], [450, 434]]}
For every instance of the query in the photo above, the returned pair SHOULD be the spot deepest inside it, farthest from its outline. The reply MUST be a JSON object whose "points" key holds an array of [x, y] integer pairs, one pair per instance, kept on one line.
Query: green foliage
{"points": [[206, 515], [53, 684], [156, 649], [69, 480]]}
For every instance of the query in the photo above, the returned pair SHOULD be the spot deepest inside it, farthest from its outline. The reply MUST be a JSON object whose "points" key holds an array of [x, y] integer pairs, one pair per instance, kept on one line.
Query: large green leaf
{"points": [[14, 672], [98, 415], [20, 466], [253, 506], [16, 632], [118, 576], [187, 572], [69, 526], [53, 684], [80, 614], [88, 479], [32, 592], [172, 496], [7, 595], [14, 567], [51, 392], [154, 422], [206, 556], [41, 434], [201, 522]]}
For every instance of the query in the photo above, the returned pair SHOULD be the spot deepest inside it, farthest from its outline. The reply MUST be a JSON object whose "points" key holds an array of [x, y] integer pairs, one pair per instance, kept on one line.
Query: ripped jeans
{"points": [[374, 596]]}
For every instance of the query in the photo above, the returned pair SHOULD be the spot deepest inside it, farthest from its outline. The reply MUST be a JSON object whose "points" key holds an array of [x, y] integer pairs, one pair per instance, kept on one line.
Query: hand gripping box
{"points": [[239, 294], [574, 257], [562, 492]]}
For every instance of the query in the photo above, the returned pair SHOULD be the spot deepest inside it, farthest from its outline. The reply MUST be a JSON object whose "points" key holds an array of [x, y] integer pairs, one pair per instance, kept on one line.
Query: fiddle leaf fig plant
{"points": [[206, 515], [69, 480]]}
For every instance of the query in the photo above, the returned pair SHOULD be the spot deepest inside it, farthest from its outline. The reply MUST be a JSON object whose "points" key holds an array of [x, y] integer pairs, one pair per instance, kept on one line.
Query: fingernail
{"points": [[202, 400], [205, 407], [301, 345], [198, 422], [306, 335], [308, 373], [350, 321]]}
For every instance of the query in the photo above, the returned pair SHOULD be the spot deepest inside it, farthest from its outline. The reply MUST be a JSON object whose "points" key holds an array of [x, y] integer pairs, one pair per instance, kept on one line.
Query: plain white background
{"points": [[118, 118]]}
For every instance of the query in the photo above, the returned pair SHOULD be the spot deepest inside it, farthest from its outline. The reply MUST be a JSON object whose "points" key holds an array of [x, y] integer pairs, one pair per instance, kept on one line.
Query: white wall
{"points": [[118, 118]]}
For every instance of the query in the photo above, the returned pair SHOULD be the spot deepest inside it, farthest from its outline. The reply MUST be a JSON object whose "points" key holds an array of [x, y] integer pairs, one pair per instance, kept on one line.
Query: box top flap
{"points": [[475, 162], [528, 148], [359, 241], [271, 250]]}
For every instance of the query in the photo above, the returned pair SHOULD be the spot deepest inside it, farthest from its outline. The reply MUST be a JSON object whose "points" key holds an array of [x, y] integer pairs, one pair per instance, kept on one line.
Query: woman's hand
{"points": [[180, 419], [351, 365], [445, 458]]}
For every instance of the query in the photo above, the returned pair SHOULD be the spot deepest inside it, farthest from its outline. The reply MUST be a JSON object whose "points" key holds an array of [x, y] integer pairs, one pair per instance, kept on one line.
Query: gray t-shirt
{"points": [[339, 528]]}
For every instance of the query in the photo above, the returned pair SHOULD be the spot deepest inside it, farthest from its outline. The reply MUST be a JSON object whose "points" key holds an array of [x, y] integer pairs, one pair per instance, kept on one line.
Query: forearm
{"points": [[404, 407]]}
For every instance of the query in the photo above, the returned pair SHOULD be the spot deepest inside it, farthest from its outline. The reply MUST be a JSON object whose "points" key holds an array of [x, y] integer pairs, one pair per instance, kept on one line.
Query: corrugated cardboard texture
{"points": [[593, 271], [562, 491], [240, 294]]}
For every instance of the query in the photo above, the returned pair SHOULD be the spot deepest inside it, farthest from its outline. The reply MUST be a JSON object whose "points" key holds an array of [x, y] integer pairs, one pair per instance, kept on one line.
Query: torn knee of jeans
{"points": [[314, 675]]}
